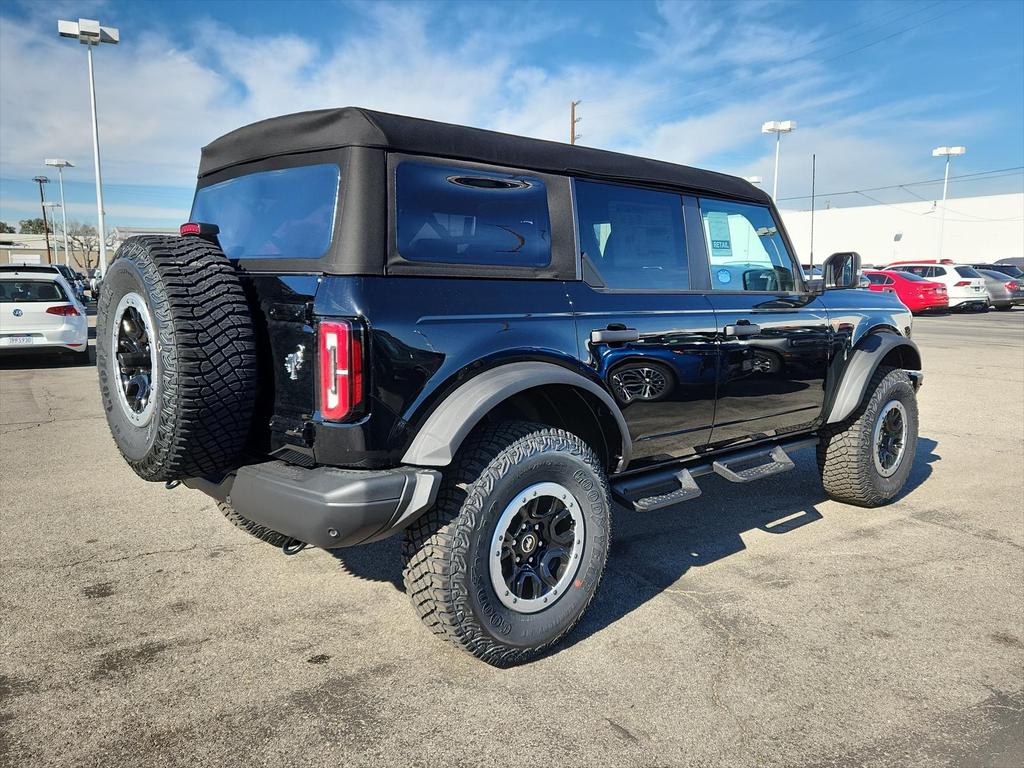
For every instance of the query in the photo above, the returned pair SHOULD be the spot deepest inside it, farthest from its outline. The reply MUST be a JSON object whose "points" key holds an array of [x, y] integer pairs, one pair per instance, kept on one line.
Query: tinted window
{"points": [[286, 214], [30, 290], [455, 215], [633, 237], [746, 249], [875, 279], [967, 272], [912, 277]]}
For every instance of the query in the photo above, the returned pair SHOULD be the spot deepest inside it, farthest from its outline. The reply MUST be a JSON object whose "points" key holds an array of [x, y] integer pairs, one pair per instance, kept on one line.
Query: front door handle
{"points": [[742, 329], [614, 335]]}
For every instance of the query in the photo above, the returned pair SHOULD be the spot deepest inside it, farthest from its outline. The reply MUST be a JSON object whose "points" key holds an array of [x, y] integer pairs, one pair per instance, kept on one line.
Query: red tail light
{"points": [[341, 369], [961, 283], [66, 310], [1012, 286]]}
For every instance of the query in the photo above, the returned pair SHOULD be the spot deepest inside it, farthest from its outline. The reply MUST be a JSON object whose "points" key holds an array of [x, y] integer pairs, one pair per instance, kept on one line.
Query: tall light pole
{"points": [[573, 120], [89, 33], [53, 218], [946, 152], [778, 127], [60, 165], [40, 180]]}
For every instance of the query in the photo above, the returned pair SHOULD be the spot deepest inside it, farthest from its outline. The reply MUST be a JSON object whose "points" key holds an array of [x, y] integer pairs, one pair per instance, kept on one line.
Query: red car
{"points": [[917, 293]]}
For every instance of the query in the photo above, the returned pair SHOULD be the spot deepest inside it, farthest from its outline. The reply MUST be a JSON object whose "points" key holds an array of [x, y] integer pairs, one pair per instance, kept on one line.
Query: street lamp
{"points": [[53, 218], [60, 165], [89, 33], [778, 127], [40, 180], [946, 152]]}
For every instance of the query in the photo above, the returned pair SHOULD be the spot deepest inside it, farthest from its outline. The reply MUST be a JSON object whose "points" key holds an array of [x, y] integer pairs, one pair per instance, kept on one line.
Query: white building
{"points": [[977, 229]]}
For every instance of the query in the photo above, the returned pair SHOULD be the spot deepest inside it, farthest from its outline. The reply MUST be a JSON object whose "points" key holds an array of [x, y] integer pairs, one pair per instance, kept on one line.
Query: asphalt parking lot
{"points": [[761, 625]]}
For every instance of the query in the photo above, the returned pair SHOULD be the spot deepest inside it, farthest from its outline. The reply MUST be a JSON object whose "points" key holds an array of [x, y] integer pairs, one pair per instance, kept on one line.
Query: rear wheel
{"points": [[512, 553], [866, 460]]}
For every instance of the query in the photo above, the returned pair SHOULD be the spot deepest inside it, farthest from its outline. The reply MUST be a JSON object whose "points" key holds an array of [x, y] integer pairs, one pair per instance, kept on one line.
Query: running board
{"points": [[666, 486], [778, 461]]}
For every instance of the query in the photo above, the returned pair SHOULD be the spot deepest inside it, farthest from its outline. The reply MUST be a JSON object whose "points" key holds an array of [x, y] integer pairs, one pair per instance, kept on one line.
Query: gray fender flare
{"points": [[863, 363], [444, 430]]}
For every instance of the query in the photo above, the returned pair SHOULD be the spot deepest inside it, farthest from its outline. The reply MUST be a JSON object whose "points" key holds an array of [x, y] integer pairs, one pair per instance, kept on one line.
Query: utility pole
{"points": [[40, 180], [813, 163], [573, 136]]}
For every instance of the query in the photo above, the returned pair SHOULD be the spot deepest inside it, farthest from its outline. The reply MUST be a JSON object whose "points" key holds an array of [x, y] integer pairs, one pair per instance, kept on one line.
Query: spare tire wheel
{"points": [[176, 357]]}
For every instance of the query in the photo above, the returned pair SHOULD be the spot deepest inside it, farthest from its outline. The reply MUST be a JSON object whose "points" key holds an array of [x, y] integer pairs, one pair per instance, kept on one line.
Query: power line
{"points": [[1005, 171]]}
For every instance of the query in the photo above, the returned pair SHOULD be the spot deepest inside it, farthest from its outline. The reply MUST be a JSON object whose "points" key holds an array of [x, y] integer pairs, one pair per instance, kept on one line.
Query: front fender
{"points": [[864, 361], [442, 433]]}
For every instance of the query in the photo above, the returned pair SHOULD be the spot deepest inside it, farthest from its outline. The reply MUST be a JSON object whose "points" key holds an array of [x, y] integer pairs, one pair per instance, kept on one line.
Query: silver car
{"points": [[1004, 292]]}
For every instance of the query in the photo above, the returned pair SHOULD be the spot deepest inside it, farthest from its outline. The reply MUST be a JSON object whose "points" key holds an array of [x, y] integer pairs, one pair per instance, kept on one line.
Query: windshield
{"points": [[23, 291], [285, 214]]}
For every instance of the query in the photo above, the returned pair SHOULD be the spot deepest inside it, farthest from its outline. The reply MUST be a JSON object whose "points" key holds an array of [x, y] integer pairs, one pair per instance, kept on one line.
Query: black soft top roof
{"points": [[357, 127]]}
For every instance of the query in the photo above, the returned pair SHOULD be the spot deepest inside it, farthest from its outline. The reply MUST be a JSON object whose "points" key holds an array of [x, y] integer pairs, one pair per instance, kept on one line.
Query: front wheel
{"points": [[867, 459], [512, 553]]}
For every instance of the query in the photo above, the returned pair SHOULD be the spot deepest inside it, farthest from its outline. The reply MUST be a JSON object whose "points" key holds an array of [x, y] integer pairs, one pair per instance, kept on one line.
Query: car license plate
{"points": [[12, 340]]}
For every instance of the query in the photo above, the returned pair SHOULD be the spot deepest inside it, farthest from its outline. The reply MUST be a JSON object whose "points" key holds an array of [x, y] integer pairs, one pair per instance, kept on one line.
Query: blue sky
{"points": [[873, 86]]}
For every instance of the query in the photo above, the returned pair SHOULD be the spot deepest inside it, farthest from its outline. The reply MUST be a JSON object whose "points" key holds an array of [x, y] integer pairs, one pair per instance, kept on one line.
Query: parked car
{"points": [[1009, 270], [480, 343], [1017, 261], [918, 294], [39, 312], [75, 280], [1004, 292], [965, 288]]}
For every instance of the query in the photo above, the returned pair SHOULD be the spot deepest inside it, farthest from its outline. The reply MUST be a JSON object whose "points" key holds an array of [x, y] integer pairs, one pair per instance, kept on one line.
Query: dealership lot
{"points": [[760, 625]]}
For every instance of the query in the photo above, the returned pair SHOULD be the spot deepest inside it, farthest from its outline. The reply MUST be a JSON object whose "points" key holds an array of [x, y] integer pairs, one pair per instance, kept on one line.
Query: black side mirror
{"points": [[841, 270]]}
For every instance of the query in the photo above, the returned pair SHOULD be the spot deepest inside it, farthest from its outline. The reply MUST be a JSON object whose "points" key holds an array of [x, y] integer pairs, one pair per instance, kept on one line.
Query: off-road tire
{"points": [[845, 452], [205, 380], [261, 532], [446, 550]]}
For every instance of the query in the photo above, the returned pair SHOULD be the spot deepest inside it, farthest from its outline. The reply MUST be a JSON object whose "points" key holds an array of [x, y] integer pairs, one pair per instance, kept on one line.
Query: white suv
{"points": [[964, 285], [40, 311]]}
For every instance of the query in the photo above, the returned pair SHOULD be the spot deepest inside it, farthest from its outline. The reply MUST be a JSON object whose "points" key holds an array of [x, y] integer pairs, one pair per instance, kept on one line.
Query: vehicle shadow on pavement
{"points": [[16, 362], [650, 553]]}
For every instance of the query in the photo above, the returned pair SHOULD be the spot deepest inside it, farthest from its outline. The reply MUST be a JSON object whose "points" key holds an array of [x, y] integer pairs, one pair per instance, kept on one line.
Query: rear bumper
{"points": [[326, 507], [73, 336]]}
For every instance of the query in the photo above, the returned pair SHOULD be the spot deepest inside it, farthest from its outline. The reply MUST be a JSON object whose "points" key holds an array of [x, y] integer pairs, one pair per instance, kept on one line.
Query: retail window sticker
{"points": [[718, 233]]}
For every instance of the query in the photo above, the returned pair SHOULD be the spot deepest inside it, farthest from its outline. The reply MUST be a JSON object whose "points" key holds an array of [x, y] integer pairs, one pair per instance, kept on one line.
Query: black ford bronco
{"points": [[376, 324]]}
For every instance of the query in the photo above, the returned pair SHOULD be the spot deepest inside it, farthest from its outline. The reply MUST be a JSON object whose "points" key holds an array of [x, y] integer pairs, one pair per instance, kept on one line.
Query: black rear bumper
{"points": [[326, 507]]}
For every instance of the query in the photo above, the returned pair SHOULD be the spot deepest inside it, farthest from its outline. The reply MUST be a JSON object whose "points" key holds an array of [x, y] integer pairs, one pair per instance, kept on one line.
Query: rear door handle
{"points": [[742, 329], [614, 335]]}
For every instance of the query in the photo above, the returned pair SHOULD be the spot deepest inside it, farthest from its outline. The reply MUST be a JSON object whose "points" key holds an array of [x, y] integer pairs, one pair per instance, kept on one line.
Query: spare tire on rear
{"points": [[176, 357]]}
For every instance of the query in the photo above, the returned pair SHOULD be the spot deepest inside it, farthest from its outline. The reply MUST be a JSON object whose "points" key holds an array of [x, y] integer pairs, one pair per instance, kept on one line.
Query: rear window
{"points": [[23, 291], [967, 272], [912, 277], [451, 215], [285, 214]]}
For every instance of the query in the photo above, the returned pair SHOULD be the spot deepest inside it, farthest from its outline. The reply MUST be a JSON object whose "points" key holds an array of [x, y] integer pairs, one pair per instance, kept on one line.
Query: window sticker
{"points": [[718, 233], [724, 276]]}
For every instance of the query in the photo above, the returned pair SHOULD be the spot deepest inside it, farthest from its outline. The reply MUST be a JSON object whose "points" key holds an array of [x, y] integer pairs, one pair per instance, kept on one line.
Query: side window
{"points": [[919, 271], [453, 215], [745, 248], [875, 279], [888, 281], [633, 237], [936, 272]]}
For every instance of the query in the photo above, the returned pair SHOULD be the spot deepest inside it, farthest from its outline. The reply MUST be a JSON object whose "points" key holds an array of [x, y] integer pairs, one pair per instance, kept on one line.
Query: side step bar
{"points": [[666, 486]]}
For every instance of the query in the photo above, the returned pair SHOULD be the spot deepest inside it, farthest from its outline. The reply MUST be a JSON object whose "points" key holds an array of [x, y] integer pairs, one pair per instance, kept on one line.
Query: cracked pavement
{"points": [[760, 625]]}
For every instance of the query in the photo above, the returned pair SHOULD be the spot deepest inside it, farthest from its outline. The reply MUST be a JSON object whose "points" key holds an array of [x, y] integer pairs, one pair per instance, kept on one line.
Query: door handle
{"points": [[742, 329], [614, 335]]}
